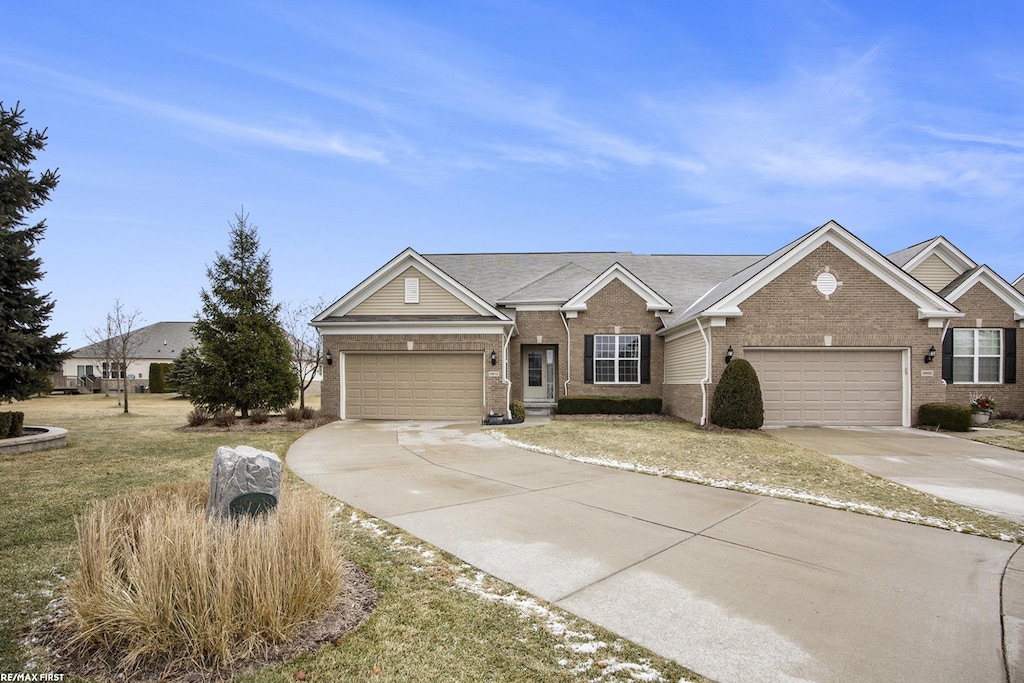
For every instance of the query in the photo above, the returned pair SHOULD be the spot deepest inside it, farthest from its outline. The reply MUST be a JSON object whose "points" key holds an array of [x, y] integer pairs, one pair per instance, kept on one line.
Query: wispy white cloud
{"points": [[286, 136]]}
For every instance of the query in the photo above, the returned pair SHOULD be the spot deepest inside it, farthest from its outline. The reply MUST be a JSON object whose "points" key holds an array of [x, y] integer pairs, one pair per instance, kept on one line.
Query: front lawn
{"points": [[754, 462], [1013, 438], [437, 619]]}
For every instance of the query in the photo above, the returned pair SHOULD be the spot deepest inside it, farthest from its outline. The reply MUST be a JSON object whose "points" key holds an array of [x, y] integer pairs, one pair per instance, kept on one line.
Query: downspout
{"points": [[942, 339], [707, 375], [568, 355], [504, 372]]}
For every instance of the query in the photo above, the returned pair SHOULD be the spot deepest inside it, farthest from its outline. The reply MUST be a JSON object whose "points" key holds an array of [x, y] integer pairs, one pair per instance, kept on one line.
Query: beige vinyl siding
{"points": [[390, 299], [934, 273], [685, 359]]}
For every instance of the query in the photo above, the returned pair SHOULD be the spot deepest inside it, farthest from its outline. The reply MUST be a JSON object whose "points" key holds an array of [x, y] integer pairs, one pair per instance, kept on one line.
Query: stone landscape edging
{"points": [[52, 437]]}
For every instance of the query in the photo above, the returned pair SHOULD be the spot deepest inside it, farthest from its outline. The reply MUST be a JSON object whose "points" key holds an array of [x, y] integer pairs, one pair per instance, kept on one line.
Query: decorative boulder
{"points": [[244, 480]]}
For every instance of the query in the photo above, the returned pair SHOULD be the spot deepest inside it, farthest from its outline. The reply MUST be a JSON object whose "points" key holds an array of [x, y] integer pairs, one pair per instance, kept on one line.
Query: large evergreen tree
{"points": [[243, 360], [27, 354]]}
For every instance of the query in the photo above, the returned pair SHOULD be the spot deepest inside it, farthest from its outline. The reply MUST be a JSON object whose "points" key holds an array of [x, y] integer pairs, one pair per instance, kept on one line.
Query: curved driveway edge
{"points": [[734, 586]]}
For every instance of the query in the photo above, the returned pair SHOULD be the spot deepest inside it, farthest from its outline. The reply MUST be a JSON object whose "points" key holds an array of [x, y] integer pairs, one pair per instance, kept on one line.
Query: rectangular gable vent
{"points": [[412, 290]]}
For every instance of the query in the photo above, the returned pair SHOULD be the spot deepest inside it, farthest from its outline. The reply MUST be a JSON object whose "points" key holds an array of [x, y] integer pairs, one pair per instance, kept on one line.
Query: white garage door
{"points": [[418, 386], [830, 387]]}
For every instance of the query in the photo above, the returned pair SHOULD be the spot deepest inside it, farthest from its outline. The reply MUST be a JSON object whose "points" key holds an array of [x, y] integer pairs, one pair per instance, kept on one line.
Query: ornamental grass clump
{"points": [[159, 582]]}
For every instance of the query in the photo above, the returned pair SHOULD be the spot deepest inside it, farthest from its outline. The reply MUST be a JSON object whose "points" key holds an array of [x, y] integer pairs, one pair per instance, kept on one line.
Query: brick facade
{"points": [[789, 312], [983, 309]]}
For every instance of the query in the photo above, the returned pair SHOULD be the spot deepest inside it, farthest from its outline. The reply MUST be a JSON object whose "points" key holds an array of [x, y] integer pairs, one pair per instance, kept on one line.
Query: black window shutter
{"points": [[1010, 356], [645, 359], [947, 356], [588, 359]]}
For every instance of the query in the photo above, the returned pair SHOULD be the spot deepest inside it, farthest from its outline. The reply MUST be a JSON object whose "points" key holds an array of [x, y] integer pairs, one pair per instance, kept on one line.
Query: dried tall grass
{"points": [[157, 580]]}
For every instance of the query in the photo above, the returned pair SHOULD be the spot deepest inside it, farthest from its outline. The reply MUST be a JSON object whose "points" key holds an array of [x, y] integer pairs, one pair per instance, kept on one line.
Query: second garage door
{"points": [[830, 387], [400, 386]]}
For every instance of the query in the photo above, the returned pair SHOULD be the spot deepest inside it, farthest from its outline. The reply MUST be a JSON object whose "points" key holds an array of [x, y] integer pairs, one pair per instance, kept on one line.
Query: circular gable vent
{"points": [[826, 284]]}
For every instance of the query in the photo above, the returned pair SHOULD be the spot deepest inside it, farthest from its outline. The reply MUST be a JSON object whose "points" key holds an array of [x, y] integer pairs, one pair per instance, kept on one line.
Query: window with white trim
{"points": [[977, 356], [617, 358], [113, 370]]}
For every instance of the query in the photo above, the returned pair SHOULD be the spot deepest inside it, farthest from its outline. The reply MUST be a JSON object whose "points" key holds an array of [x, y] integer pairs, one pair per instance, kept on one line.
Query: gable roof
{"points": [[989, 278], [556, 277], [911, 257], [391, 270], [616, 271], [723, 299], [157, 341], [1018, 284]]}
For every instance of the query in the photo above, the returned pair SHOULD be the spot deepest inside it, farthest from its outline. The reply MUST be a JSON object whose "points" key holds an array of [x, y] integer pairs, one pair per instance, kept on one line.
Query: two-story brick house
{"points": [[838, 333]]}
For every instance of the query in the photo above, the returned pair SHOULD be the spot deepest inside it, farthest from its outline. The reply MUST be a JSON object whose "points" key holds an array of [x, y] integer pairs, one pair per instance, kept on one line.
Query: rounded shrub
{"points": [[518, 410], [952, 417], [737, 403]]}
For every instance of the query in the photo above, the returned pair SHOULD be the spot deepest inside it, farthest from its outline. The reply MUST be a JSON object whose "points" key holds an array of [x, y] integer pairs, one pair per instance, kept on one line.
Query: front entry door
{"points": [[539, 373]]}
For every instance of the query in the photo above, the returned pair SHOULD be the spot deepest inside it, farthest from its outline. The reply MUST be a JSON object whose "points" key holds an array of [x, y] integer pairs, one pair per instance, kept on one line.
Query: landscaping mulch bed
{"points": [[618, 418], [276, 423]]}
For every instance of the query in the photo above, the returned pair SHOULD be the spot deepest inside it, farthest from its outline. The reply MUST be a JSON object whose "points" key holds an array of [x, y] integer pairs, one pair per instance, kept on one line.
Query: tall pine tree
{"points": [[243, 360], [27, 354]]}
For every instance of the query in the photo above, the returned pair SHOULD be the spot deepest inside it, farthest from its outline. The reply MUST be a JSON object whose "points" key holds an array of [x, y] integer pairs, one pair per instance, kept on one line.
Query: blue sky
{"points": [[352, 130]]}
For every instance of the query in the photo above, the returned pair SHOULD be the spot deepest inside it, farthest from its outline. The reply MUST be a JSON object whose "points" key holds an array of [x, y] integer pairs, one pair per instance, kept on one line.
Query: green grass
{"points": [[436, 619], [757, 462]]}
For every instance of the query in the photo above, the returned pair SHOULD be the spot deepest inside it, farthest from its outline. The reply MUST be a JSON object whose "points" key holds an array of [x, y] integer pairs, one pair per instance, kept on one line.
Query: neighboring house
{"points": [[87, 369], [1018, 284], [838, 333]]}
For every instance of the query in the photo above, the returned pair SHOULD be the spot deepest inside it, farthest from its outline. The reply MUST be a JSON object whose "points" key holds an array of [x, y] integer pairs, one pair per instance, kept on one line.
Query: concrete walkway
{"points": [[734, 586], [984, 477]]}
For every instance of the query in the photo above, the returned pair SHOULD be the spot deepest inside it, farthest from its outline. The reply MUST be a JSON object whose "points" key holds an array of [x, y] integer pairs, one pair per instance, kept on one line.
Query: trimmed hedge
{"points": [[5, 424], [737, 403], [17, 427], [518, 410], [952, 417], [608, 405]]}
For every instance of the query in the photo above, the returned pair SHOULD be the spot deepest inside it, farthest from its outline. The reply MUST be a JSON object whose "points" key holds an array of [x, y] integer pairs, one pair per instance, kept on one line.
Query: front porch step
{"points": [[540, 409]]}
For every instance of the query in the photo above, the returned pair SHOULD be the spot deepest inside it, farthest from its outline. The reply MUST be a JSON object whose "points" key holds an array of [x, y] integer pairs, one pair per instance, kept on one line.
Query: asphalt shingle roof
{"points": [[160, 340], [546, 277]]}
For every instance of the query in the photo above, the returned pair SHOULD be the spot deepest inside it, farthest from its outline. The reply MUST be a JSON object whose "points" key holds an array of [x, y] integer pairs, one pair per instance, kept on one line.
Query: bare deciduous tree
{"points": [[307, 346], [118, 343]]}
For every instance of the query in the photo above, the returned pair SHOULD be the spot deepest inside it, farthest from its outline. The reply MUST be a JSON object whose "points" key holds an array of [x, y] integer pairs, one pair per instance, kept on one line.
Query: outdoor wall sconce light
{"points": [[728, 354], [930, 356], [330, 358], [494, 358]]}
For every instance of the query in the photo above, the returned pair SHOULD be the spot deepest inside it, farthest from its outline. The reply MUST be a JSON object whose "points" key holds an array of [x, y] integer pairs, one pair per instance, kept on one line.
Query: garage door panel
{"points": [[414, 386], [837, 387]]}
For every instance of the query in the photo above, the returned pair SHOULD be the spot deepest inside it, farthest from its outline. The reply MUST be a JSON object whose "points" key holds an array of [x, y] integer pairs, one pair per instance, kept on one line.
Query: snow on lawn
{"points": [[759, 489], [580, 646]]}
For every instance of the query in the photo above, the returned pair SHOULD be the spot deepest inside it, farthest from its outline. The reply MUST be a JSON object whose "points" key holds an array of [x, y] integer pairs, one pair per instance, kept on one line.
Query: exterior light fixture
{"points": [[728, 354], [494, 358], [330, 358], [930, 356]]}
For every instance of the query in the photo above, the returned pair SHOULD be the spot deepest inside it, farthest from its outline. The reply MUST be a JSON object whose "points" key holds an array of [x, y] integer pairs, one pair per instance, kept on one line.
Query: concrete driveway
{"points": [[734, 586], [955, 468]]}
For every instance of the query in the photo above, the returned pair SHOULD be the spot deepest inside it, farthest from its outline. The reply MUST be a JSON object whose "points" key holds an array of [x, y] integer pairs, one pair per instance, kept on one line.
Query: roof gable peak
{"points": [[617, 271], [392, 269]]}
